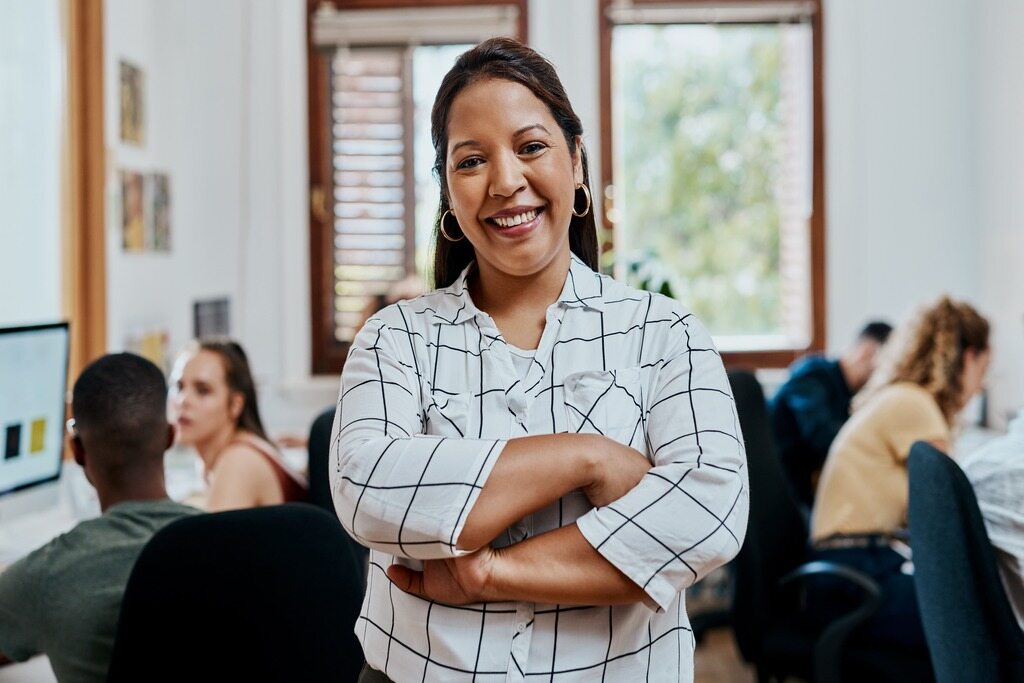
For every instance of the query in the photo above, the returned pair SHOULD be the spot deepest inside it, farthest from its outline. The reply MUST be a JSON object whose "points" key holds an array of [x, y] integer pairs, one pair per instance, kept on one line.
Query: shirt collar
{"points": [[583, 288]]}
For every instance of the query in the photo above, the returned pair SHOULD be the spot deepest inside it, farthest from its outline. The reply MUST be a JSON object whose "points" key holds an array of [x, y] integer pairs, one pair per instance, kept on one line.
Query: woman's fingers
{"points": [[406, 579]]}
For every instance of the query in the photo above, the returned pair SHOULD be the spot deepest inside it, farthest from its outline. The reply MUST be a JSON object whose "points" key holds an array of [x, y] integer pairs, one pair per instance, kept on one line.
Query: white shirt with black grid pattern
{"points": [[429, 397]]}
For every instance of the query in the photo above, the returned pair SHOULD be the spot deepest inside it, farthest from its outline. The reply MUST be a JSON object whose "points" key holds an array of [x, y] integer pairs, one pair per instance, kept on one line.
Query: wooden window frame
{"points": [[328, 355], [84, 291], [771, 358]]}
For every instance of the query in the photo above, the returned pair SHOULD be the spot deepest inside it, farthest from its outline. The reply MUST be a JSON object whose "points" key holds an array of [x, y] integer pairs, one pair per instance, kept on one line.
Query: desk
{"points": [[971, 438]]}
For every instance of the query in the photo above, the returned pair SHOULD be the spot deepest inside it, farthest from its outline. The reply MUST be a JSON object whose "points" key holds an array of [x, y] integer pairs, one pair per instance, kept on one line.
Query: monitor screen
{"points": [[33, 386]]}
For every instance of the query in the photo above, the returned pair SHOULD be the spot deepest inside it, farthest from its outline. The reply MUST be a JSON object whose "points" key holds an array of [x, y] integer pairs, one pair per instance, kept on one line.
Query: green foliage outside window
{"points": [[700, 139]]}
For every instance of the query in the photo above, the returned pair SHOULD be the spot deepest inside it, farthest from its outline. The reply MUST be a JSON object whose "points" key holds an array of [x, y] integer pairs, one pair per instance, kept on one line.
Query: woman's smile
{"points": [[515, 222]]}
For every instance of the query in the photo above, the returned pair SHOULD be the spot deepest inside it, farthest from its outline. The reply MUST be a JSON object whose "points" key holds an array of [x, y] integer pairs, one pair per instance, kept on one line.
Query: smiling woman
{"points": [[510, 189], [541, 458]]}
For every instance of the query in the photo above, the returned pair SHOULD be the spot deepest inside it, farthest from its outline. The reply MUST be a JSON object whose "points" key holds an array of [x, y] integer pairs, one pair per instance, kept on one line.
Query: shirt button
{"points": [[520, 627]]}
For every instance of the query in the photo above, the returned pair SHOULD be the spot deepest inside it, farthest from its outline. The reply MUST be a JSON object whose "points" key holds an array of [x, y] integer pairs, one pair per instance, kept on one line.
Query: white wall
{"points": [[901, 176], [925, 166], [999, 228], [191, 53], [31, 118], [275, 306]]}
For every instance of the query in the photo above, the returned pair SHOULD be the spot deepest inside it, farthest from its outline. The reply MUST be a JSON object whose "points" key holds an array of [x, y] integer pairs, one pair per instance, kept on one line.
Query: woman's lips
{"points": [[517, 230]]}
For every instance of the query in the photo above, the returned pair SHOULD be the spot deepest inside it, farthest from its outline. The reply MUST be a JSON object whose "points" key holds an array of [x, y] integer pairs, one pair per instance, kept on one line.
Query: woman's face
{"points": [[200, 403], [975, 368], [511, 178]]}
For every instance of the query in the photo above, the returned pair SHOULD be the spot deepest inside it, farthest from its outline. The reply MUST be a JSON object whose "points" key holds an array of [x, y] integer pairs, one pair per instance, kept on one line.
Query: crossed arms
{"points": [[657, 525]]}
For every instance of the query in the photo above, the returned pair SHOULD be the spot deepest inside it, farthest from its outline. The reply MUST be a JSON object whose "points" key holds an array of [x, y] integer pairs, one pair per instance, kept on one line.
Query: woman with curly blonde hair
{"points": [[931, 369]]}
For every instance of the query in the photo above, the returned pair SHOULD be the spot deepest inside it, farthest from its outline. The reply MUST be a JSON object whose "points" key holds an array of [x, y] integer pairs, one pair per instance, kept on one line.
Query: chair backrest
{"points": [[971, 631], [268, 594], [776, 539], [319, 455], [320, 480]]}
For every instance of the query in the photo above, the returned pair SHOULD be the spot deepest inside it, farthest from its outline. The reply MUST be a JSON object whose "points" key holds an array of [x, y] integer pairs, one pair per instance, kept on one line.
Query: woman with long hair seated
{"points": [[213, 405], [930, 371]]}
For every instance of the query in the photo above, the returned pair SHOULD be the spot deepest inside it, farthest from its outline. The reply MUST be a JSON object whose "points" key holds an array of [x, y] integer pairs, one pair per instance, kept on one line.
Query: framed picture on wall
{"points": [[151, 344], [133, 223], [211, 318], [133, 112], [158, 214]]}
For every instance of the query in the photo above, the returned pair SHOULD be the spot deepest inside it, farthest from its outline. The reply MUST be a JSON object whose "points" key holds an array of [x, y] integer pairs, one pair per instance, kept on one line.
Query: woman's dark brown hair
{"points": [[512, 61], [239, 380]]}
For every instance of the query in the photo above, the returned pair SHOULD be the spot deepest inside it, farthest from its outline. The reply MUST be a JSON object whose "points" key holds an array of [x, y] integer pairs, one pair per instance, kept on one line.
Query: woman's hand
{"points": [[616, 469], [454, 581]]}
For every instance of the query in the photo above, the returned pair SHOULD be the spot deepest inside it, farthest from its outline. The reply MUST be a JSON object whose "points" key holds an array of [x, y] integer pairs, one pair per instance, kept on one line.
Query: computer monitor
{"points": [[33, 387]]}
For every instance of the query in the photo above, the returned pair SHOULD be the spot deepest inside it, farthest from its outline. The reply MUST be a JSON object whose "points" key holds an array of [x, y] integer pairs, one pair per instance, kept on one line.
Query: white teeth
{"points": [[510, 221]]}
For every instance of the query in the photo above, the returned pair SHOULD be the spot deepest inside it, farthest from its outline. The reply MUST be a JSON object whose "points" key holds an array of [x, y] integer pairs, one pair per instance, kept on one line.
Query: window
{"points": [[374, 70], [713, 183]]}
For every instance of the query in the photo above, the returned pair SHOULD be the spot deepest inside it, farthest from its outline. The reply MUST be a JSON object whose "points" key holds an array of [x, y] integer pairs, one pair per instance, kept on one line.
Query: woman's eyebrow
{"points": [[464, 143], [524, 129]]}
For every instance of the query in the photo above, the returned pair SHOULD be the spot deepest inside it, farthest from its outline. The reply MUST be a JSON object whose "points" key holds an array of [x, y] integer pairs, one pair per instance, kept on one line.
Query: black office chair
{"points": [[268, 594], [319, 454], [971, 630], [320, 480], [773, 629]]}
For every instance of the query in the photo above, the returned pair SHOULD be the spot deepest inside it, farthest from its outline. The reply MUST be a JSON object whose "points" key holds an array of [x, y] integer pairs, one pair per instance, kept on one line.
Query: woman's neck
{"points": [[518, 305], [501, 294], [211, 447]]}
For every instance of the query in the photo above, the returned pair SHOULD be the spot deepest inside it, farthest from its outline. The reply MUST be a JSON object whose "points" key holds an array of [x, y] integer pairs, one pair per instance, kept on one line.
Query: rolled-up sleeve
{"points": [[396, 489], [689, 513]]}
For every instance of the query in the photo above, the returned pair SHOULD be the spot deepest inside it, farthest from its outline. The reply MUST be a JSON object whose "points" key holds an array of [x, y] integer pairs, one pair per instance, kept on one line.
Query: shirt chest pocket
{"points": [[608, 402]]}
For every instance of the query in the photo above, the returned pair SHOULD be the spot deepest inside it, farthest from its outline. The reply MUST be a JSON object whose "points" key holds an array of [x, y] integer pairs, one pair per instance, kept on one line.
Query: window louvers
{"points": [[371, 164]]}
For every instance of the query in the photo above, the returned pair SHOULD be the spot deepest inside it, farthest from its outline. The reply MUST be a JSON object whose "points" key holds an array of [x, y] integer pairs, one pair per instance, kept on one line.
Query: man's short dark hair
{"points": [[876, 330], [120, 406]]}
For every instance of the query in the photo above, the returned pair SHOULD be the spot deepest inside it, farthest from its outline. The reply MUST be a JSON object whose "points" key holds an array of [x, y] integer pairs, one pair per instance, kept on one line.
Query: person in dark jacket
{"points": [[810, 408]]}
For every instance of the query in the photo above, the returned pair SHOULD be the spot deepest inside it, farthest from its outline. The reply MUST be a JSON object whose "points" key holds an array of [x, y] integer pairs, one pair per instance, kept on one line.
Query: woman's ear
{"points": [[235, 405], [577, 161]]}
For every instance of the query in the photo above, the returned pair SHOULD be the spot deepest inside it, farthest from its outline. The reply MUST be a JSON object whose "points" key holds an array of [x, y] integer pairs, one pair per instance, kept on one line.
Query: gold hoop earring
{"points": [[586, 193], [445, 232]]}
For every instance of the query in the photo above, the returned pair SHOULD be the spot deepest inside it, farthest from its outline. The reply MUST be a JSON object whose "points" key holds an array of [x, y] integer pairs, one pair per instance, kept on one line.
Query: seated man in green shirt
{"points": [[64, 598]]}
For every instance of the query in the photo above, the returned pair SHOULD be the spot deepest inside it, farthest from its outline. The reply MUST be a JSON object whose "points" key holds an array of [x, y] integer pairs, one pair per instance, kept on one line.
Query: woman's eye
{"points": [[533, 147], [470, 162]]}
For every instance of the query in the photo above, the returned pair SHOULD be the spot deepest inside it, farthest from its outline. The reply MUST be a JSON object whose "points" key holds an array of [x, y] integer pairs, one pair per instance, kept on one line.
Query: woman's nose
{"points": [[506, 176]]}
